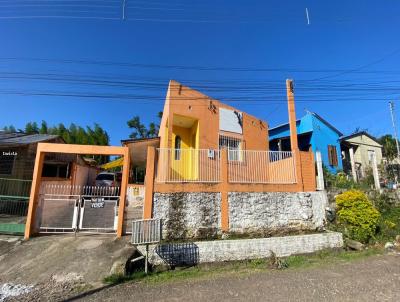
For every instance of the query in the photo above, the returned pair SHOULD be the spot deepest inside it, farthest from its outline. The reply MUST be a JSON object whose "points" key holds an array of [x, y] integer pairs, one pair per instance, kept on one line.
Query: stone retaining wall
{"points": [[271, 212], [243, 249], [198, 215], [188, 215]]}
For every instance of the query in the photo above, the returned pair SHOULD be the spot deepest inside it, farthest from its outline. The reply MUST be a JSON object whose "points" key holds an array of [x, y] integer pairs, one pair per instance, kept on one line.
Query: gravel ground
{"points": [[374, 278]]}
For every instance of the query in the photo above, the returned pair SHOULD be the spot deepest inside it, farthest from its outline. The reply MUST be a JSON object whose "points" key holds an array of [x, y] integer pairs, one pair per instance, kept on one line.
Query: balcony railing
{"points": [[204, 166], [188, 165], [265, 167]]}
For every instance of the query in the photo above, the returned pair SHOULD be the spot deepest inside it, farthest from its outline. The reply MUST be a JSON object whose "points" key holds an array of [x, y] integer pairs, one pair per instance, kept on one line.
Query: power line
{"points": [[189, 67]]}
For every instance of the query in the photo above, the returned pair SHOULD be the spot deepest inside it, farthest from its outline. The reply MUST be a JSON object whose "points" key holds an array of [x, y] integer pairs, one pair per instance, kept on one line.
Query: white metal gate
{"points": [[66, 208]]}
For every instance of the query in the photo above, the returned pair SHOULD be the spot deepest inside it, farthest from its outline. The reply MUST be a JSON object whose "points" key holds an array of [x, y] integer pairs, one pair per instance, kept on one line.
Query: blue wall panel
{"points": [[322, 136]]}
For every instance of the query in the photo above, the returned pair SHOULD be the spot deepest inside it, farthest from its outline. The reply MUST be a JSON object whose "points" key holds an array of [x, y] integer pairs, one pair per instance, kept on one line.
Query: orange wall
{"points": [[182, 100]]}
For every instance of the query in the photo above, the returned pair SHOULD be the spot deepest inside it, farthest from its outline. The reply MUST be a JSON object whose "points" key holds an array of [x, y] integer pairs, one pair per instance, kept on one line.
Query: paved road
{"points": [[371, 279]]}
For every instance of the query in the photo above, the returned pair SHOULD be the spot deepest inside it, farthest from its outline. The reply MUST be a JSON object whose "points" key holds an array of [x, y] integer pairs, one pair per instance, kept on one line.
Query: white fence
{"points": [[266, 167], [188, 165], [204, 166]]}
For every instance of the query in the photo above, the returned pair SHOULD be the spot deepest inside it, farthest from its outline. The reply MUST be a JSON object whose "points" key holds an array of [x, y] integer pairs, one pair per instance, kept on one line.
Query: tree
{"points": [[72, 135], [43, 128], [389, 146], [140, 130], [9, 129], [31, 128]]}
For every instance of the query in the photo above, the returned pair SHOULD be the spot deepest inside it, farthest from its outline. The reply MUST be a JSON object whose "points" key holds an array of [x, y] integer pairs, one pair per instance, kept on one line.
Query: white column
{"points": [[353, 164], [320, 172], [375, 172]]}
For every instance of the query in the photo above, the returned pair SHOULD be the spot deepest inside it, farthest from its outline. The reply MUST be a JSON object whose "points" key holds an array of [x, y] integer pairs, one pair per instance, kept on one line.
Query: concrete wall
{"points": [[234, 250], [198, 215]]}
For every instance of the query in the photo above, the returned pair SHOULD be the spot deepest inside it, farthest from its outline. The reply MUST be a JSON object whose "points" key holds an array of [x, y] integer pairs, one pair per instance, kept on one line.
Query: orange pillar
{"points": [[224, 191], [124, 186], [33, 198], [293, 132], [149, 183]]}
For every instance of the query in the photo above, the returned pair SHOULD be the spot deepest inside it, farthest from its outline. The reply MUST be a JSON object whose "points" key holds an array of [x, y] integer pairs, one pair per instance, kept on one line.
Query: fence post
{"points": [[149, 183], [320, 172], [224, 191], [375, 172], [353, 164]]}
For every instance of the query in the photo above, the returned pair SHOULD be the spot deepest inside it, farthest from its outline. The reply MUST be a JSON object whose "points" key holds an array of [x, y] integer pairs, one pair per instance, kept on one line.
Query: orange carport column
{"points": [[149, 183], [124, 186], [35, 188], [224, 191]]}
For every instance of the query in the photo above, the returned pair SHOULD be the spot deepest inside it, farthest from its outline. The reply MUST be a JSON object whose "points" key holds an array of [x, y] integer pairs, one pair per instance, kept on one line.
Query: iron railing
{"points": [[146, 231], [10, 187], [188, 165], [14, 196], [266, 167], [244, 166]]}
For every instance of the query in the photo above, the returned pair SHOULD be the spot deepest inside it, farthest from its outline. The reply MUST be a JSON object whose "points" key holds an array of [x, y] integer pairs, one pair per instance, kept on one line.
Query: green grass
{"points": [[244, 267], [326, 257]]}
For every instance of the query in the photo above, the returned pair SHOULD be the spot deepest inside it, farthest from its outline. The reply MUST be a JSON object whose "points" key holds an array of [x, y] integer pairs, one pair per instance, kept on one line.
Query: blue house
{"points": [[313, 132]]}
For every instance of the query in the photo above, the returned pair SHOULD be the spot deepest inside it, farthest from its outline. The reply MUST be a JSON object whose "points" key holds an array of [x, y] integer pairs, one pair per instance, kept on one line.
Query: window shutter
{"points": [[332, 156]]}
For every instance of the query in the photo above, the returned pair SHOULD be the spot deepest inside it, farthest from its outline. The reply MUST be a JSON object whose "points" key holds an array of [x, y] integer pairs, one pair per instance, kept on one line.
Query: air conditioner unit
{"points": [[211, 153]]}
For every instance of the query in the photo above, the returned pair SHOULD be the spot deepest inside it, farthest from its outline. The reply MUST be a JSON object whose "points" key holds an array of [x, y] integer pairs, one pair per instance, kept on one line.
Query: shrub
{"points": [[357, 215]]}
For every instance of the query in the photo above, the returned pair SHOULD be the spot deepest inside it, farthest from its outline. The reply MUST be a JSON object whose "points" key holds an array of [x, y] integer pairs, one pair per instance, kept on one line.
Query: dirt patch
{"points": [[58, 265]]}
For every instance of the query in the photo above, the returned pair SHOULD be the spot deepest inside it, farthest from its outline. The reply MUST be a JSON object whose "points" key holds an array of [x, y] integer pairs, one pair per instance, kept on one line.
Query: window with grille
{"points": [[332, 156], [233, 145]]}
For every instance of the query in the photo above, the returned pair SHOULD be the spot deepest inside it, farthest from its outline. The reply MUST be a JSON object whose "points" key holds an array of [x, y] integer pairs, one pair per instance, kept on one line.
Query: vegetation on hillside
{"points": [[356, 215], [72, 135]]}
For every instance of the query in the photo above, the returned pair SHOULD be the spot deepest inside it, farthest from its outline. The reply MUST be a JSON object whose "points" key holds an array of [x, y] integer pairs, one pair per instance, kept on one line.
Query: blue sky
{"points": [[345, 63]]}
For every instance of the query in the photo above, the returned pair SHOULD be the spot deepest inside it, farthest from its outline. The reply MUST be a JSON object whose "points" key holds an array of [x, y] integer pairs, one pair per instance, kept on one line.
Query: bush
{"points": [[356, 215]]}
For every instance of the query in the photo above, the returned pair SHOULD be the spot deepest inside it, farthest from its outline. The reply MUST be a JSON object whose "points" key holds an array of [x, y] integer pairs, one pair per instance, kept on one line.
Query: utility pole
{"points": [[123, 9], [392, 113]]}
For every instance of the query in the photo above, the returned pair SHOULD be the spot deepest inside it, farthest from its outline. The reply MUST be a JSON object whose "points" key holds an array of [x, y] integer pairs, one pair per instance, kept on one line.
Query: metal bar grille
{"points": [[268, 167], [67, 208], [233, 144], [15, 187], [146, 231], [14, 196], [188, 165]]}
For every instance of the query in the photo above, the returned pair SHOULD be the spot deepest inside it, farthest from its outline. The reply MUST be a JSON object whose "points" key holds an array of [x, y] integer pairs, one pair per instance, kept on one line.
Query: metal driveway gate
{"points": [[66, 208]]}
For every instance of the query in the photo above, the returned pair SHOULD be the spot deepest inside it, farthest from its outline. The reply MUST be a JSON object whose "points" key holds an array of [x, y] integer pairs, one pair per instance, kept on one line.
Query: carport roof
{"points": [[20, 138], [138, 148]]}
